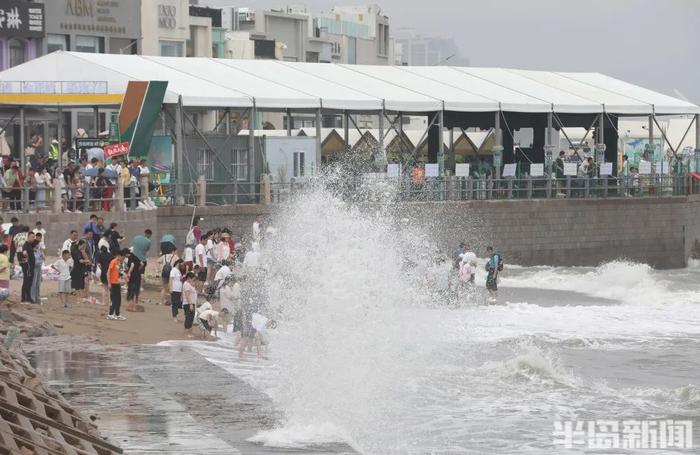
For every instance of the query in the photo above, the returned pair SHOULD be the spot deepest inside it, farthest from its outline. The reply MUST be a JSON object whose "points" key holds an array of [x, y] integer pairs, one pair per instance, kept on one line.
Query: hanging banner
{"points": [[116, 150], [139, 113]]}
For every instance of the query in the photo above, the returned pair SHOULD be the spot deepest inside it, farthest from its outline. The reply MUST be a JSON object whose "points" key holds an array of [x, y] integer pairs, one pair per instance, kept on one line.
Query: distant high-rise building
{"points": [[417, 50]]}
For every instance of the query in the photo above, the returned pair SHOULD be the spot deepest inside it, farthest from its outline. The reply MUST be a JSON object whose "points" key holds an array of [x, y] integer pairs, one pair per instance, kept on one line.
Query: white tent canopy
{"points": [[272, 84]]}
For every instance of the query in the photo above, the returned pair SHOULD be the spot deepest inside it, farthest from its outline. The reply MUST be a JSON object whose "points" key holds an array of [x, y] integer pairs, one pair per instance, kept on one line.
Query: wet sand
{"points": [[87, 320]]}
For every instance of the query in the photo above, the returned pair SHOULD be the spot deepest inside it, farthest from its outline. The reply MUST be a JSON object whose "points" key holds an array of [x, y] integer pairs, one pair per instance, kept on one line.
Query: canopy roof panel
{"points": [[331, 94], [510, 100], [93, 79], [455, 98], [396, 97], [663, 104], [195, 90], [266, 93]]}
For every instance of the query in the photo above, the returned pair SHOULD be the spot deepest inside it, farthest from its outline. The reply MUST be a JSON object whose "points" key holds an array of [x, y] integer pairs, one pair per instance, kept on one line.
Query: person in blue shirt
{"points": [[493, 266]]}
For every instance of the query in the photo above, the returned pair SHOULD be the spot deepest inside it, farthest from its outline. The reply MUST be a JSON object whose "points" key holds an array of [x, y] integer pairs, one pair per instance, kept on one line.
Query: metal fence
{"points": [[362, 187]]}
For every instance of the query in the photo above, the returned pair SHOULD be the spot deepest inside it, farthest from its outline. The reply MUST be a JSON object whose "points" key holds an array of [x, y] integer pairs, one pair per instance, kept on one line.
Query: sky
{"points": [[653, 43]]}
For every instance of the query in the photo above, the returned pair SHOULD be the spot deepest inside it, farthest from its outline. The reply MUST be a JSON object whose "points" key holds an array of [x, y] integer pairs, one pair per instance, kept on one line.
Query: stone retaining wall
{"points": [[563, 232]]}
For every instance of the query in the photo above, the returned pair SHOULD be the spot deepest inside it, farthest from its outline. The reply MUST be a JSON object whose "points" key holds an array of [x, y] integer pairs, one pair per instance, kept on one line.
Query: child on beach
{"points": [[64, 266], [115, 288]]}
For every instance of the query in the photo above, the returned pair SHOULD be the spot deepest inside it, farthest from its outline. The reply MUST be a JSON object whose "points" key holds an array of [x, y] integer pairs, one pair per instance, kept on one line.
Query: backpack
{"points": [[500, 263], [190, 240], [167, 268]]}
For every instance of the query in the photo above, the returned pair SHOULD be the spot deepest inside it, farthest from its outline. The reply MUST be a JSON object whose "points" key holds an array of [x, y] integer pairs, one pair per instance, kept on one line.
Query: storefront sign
{"points": [[167, 16], [21, 19], [116, 150], [104, 17]]}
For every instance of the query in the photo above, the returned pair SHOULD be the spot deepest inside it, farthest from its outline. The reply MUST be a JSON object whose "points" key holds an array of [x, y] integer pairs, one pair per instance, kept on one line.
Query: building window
{"points": [[206, 164], [18, 52], [298, 164], [90, 44], [56, 43], [171, 48], [240, 164]]}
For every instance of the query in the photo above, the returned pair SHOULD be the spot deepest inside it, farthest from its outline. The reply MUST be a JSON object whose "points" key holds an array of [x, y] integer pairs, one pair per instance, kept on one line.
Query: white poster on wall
{"points": [[432, 170], [509, 170], [606, 169], [644, 168], [570, 169], [392, 170], [662, 167], [537, 169], [462, 169]]}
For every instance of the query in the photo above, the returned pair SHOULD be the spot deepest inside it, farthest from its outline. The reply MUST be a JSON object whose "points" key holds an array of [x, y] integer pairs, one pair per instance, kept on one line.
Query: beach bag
{"points": [[167, 268]]}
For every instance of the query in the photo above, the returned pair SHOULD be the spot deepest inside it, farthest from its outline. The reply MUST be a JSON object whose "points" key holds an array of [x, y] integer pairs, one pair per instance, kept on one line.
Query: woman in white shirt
{"points": [[230, 296], [189, 302], [175, 285], [43, 181]]}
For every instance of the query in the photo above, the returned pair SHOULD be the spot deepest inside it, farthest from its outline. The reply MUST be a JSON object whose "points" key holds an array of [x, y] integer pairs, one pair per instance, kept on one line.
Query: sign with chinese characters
{"points": [[644, 168], [509, 170], [21, 19], [54, 87], [116, 150], [462, 169], [94, 17], [606, 169], [536, 169], [570, 169], [392, 170], [624, 434], [432, 170]]}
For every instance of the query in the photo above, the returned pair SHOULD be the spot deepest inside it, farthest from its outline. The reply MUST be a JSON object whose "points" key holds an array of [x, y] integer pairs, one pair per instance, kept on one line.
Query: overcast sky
{"points": [[654, 43]]}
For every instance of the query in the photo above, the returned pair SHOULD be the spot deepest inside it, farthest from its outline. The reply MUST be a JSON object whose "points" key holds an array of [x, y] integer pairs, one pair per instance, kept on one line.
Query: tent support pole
{"points": [[441, 145], [96, 113], [289, 122], [59, 137], [451, 158], [549, 143], [346, 130], [497, 129], [319, 120], [399, 132], [251, 149], [179, 158], [651, 131], [381, 115], [22, 133], [425, 133]]}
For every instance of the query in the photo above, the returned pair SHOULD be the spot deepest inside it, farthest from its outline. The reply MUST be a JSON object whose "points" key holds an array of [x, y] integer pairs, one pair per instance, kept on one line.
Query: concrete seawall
{"points": [[657, 231]]}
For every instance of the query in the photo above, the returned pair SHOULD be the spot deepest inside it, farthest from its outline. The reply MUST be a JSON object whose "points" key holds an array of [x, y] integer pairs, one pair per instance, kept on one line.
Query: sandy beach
{"points": [[89, 320]]}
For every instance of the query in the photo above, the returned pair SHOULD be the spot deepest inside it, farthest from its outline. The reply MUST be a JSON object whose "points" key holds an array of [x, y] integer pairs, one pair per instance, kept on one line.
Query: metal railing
{"points": [[359, 188]]}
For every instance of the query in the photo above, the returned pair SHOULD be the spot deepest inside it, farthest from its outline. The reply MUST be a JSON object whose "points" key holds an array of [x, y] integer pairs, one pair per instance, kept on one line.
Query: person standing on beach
{"points": [[103, 258], [200, 257], [15, 229], [81, 268], [175, 285], [134, 268], [189, 302], [493, 266], [35, 292], [64, 266], [115, 287], [26, 260]]}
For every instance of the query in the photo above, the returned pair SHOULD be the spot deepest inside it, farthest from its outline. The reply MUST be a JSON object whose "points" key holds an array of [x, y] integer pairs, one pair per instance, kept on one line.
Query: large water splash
{"points": [[338, 281]]}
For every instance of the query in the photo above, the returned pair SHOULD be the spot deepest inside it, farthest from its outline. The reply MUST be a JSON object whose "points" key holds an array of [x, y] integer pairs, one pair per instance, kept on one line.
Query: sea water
{"points": [[367, 354]]}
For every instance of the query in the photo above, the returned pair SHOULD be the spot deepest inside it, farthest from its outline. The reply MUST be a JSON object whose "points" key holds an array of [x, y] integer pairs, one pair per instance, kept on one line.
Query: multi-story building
{"points": [[22, 32], [360, 35], [91, 26], [417, 50]]}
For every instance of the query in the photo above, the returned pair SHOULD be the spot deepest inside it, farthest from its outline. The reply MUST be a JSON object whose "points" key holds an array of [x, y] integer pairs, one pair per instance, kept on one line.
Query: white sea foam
{"points": [[362, 355]]}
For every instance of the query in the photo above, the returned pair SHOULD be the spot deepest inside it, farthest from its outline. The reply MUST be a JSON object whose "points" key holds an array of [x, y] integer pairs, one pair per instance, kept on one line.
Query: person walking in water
{"points": [[493, 266]]}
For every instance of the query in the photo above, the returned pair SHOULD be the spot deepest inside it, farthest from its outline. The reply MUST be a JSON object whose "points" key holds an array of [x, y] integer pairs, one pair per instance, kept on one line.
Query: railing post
{"points": [[529, 187], [587, 186], [202, 186], [57, 208], [24, 197], [119, 203], [568, 186], [265, 189], [510, 188], [144, 187]]}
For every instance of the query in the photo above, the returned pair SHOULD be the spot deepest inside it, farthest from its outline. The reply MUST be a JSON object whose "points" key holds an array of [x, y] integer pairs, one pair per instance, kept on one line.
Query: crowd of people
{"points": [[88, 184], [206, 282]]}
